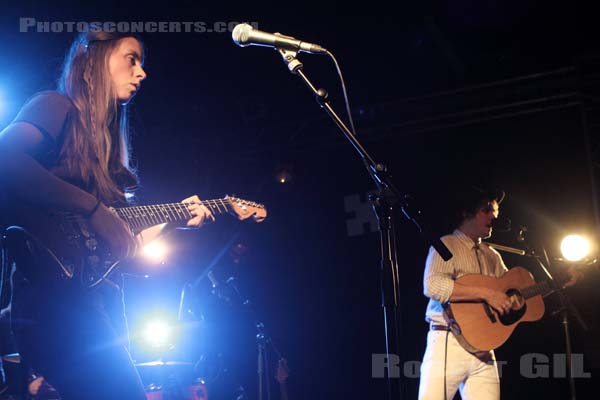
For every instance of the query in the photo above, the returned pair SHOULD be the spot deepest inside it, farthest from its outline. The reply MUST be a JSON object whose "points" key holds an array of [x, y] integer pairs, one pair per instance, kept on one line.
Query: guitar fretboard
{"points": [[542, 288], [142, 217], [545, 287]]}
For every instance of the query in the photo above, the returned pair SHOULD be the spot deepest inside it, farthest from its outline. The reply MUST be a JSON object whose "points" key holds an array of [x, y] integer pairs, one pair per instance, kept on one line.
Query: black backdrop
{"points": [[213, 118]]}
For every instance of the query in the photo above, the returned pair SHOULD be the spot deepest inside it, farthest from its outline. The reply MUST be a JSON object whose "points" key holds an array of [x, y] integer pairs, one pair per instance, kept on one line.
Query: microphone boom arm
{"points": [[508, 249]]}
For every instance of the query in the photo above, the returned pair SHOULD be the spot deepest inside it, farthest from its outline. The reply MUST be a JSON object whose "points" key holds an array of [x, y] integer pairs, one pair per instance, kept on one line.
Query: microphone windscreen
{"points": [[241, 33]]}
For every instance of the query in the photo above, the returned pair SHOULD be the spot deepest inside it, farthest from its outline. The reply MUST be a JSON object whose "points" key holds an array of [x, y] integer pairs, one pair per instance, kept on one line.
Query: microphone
{"points": [[245, 35]]}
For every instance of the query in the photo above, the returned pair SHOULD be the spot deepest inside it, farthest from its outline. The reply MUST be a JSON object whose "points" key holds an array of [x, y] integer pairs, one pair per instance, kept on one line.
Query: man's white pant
{"points": [[475, 377]]}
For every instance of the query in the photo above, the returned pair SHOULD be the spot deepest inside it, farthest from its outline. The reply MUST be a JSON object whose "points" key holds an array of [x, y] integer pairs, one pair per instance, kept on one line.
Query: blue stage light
{"points": [[158, 333]]}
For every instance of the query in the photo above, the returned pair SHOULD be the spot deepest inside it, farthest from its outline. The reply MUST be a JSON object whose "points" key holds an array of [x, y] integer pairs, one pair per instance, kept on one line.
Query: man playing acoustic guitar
{"points": [[447, 366]]}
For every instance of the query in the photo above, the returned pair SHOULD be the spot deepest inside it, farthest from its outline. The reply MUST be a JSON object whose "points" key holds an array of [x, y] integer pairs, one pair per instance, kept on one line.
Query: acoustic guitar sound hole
{"points": [[519, 306]]}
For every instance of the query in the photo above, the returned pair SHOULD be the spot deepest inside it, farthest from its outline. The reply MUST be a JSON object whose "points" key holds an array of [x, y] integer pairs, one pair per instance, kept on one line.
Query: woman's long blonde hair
{"points": [[96, 146]]}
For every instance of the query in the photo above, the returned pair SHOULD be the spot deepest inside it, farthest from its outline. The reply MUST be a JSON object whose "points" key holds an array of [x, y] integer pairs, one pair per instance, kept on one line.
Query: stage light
{"points": [[284, 174], [155, 250], [157, 334], [283, 177], [574, 247]]}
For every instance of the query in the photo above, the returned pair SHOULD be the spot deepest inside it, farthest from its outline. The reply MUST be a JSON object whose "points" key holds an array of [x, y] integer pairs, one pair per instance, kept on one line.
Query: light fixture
{"points": [[284, 174], [157, 333], [574, 248]]}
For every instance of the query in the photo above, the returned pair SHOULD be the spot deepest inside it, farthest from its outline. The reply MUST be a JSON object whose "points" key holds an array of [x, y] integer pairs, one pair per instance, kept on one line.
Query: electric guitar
{"points": [[75, 253], [478, 327]]}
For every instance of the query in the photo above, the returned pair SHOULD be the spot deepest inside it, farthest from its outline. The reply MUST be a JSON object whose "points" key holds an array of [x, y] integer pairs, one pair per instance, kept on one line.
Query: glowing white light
{"points": [[157, 333], [155, 250], [574, 247]]}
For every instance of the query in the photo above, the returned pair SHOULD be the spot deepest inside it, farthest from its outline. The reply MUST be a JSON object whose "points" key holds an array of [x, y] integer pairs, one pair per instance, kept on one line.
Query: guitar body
{"points": [[54, 247], [477, 326]]}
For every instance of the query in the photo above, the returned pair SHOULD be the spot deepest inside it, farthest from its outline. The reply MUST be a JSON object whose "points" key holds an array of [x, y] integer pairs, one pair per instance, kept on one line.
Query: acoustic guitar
{"points": [[478, 327]]}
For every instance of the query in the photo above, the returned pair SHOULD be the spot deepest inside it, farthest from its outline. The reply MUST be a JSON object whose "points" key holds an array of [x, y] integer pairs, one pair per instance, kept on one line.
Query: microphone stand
{"points": [[502, 247], [263, 362], [565, 305], [262, 339], [384, 200]]}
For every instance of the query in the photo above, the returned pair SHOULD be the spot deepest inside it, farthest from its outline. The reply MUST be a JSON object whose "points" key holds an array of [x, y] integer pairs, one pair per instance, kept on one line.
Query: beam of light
{"points": [[155, 251], [574, 247], [2, 107], [157, 334]]}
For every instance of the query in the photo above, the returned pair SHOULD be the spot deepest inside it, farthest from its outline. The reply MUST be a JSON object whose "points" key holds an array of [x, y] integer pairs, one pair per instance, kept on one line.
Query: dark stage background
{"points": [[435, 95]]}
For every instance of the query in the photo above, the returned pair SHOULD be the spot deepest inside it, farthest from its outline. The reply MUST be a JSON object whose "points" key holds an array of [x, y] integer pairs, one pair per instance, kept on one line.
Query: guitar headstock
{"points": [[243, 209], [282, 371]]}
